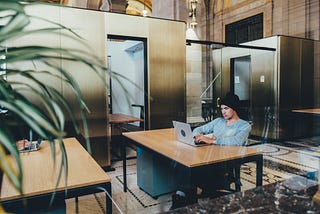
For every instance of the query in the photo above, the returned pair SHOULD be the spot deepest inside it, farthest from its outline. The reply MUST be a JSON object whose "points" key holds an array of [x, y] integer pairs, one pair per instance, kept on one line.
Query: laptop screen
{"points": [[183, 132]]}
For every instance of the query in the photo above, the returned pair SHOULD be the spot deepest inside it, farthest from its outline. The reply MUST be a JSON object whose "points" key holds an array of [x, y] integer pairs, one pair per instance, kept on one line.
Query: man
{"points": [[226, 130]]}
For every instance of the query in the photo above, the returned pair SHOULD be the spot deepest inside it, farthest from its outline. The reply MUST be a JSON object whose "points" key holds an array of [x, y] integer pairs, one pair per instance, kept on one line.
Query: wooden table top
{"points": [[308, 111], [122, 118], [165, 142], [40, 177]]}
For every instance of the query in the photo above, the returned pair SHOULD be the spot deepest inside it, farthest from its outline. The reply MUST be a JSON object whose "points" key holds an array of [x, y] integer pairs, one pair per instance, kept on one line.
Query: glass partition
{"points": [[213, 69]]}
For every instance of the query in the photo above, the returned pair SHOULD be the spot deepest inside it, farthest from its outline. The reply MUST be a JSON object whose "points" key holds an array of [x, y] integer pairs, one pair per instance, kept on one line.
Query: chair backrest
{"points": [[131, 127], [141, 114]]}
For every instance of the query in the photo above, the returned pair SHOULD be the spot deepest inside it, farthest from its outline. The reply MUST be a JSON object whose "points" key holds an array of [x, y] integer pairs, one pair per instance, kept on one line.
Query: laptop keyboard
{"points": [[199, 143]]}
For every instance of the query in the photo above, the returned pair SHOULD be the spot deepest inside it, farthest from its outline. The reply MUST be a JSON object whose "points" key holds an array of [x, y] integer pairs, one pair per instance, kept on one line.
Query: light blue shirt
{"points": [[235, 134]]}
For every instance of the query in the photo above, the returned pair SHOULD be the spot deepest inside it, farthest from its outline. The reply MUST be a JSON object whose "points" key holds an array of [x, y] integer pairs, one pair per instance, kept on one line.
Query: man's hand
{"points": [[208, 139], [22, 144]]}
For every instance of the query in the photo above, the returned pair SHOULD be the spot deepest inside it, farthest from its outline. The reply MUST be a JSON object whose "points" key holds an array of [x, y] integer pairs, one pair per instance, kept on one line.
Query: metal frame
{"points": [[235, 163], [14, 204]]}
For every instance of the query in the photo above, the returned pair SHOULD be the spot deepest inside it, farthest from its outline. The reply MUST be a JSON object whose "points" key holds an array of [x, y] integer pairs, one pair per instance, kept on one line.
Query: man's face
{"points": [[227, 113]]}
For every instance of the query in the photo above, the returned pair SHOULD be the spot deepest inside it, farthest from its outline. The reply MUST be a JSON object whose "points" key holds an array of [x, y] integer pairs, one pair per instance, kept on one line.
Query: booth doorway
{"points": [[240, 83], [127, 59]]}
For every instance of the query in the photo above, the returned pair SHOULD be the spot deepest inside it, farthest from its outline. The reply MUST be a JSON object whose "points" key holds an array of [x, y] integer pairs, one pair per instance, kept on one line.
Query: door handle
{"points": [[218, 102]]}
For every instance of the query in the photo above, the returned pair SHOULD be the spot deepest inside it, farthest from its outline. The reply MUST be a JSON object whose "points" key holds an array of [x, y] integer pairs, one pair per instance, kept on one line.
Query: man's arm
{"points": [[205, 129], [238, 139]]}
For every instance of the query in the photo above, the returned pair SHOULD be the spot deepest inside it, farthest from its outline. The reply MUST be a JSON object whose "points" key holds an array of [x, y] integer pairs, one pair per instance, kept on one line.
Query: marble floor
{"points": [[282, 160]]}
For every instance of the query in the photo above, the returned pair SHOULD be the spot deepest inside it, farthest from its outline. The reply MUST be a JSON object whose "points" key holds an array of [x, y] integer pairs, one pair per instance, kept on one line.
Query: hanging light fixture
{"points": [[192, 14], [144, 11]]}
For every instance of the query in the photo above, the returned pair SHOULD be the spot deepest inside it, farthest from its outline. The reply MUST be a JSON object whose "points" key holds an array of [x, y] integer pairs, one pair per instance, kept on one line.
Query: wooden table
{"points": [[315, 111], [164, 142], [117, 122], [85, 176], [305, 122], [122, 118]]}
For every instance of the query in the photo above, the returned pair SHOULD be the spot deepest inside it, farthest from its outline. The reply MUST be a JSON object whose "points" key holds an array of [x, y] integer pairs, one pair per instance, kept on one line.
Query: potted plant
{"points": [[48, 122]]}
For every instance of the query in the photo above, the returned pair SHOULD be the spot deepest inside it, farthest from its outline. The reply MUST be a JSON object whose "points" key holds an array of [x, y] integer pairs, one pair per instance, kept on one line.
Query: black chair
{"points": [[132, 127], [129, 128], [231, 176], [207, 110]]}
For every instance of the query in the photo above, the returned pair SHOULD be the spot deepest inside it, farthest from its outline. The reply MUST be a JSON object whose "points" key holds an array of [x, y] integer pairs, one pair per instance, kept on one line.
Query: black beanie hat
{"points": [[231, 100]]}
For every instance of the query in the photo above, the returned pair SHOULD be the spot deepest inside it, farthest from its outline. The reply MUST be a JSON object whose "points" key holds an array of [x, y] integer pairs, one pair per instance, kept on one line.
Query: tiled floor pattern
{"points": [[281, 161]]}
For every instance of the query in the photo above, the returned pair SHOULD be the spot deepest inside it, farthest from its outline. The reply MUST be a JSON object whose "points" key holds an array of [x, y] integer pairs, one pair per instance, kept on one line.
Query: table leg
{"points": [[108, 199], [124, 164], [237, 178], [259, 166], [77, 204]]}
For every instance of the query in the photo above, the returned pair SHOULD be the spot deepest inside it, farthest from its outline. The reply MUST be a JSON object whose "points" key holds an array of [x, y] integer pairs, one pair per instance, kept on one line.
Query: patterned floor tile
{"points": [[282, 160]]}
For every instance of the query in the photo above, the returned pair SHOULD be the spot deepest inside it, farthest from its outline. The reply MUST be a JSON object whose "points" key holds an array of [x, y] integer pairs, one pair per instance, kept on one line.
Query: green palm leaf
{"points": [[47, 121], [5, 165]]}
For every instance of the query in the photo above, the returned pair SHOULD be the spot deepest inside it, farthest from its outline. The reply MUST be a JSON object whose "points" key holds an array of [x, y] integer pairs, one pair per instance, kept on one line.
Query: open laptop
{"points": [[33, 146], [184, 134]]}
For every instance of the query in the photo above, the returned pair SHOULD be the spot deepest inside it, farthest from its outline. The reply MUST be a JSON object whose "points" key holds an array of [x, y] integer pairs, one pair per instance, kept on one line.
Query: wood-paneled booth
{"points": [[164, 65]]}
